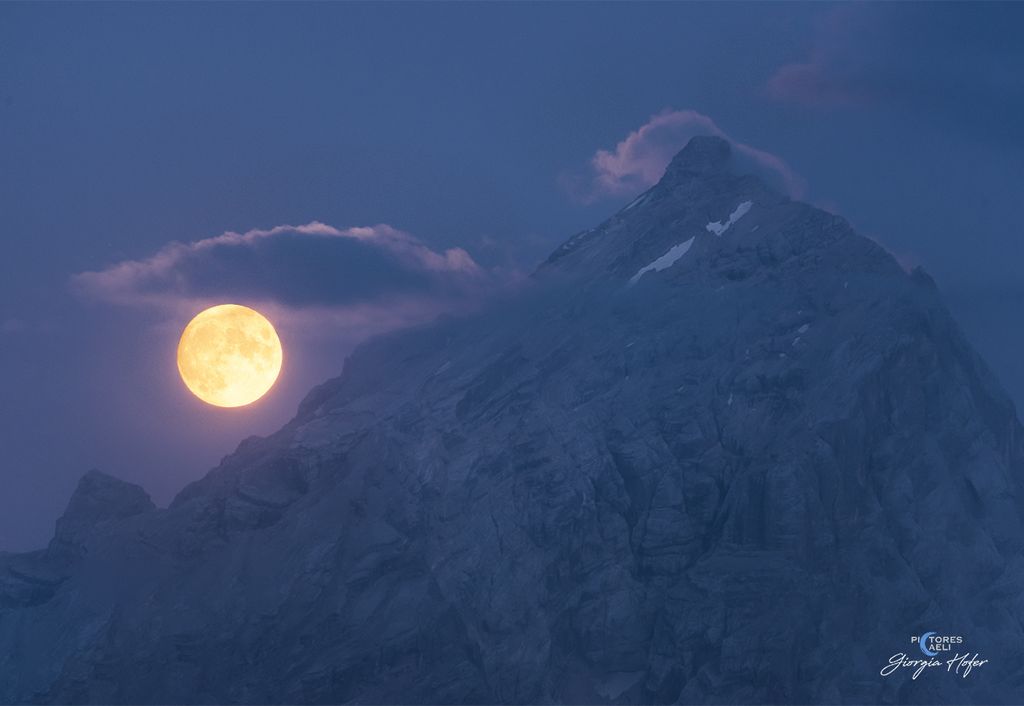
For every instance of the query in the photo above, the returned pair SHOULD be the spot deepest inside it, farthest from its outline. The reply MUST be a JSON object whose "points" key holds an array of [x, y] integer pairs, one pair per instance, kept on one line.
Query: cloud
{"points": [[956, 63], [377, 277], [811, 83], [639, 160], [831, 75]]}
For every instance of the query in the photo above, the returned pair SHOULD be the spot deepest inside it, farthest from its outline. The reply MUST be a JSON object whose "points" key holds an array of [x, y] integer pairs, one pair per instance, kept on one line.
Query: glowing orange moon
{"points": [[229, 355]]}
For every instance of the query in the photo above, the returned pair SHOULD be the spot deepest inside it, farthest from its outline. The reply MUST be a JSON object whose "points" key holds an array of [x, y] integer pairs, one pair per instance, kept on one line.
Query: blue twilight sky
{"points": [[423, 154]]}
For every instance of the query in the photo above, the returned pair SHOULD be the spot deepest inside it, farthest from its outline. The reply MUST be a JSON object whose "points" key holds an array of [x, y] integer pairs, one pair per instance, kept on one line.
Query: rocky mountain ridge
{"points": [[721, 449]]}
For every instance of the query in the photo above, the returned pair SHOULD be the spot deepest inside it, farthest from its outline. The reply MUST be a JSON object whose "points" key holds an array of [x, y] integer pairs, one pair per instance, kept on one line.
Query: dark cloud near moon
{"points": [[312, 265]]}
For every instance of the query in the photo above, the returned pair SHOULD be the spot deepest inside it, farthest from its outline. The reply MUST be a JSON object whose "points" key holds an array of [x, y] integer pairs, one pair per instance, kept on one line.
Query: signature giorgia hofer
{"points": [[960, 664]]}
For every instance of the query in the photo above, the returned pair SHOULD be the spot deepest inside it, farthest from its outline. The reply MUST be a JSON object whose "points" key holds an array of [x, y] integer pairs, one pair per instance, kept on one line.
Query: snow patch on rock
{"points": [[664, 262], [718, 228]]}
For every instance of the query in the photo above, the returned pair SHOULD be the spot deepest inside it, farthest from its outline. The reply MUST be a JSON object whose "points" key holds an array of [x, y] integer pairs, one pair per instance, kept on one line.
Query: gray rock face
{"points": [[720, 449], [98, 499]]}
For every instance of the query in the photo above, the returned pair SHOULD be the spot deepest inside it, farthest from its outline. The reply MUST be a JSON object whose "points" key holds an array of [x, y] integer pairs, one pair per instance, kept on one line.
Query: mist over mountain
{"points": [[721, 448]]}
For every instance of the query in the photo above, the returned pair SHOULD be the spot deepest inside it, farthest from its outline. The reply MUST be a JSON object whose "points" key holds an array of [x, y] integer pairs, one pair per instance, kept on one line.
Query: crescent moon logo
{"points": [[923, 642]]}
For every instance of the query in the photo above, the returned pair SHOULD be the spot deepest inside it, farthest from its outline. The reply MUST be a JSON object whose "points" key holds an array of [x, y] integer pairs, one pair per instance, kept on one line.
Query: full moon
{"points": [[229, 355]]}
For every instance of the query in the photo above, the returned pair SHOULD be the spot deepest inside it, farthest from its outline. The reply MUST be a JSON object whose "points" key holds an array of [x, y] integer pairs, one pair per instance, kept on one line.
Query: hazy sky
{"points": [[423, 155]]}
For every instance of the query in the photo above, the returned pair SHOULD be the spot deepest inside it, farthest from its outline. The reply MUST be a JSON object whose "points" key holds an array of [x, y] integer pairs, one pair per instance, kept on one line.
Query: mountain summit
{"points": [[721, 449], [702, 154]]}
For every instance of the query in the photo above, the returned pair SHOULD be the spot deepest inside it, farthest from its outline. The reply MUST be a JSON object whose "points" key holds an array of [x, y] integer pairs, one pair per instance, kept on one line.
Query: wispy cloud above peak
{"points": [[639, 160]]}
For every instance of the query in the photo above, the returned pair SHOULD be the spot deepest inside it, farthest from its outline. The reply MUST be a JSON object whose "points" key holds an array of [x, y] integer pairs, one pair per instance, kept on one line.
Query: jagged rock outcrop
{"points": [[98, 499], [722, 449]]}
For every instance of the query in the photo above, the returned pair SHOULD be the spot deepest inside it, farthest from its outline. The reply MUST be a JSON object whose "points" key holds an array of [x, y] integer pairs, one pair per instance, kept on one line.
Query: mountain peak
{"points": [[701, 155], [98, 498]]}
